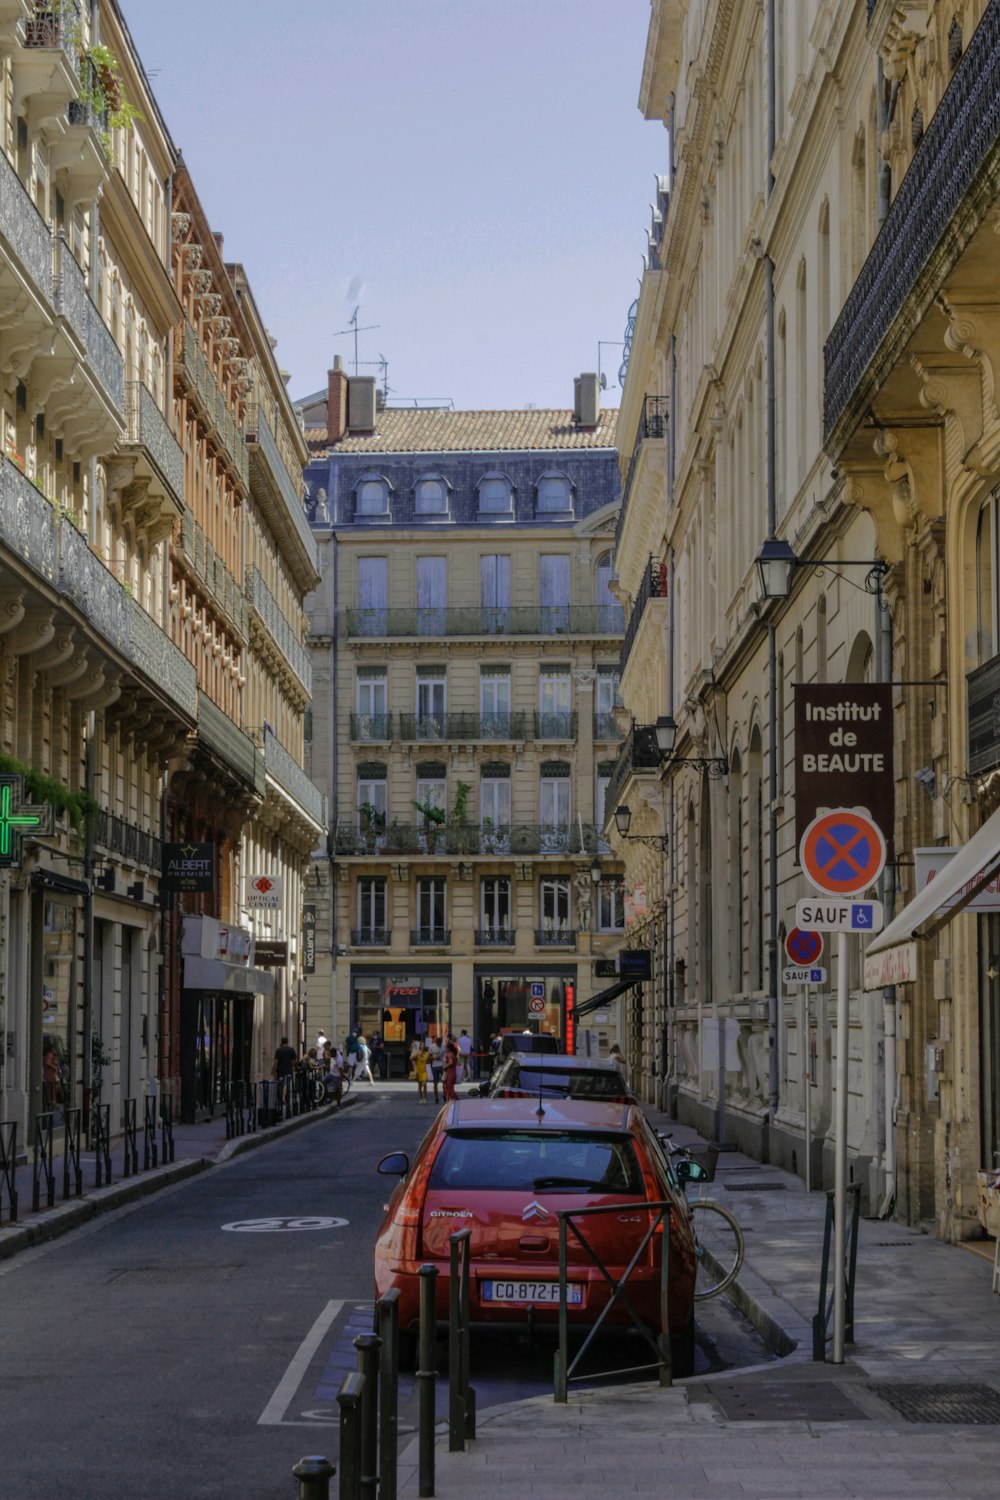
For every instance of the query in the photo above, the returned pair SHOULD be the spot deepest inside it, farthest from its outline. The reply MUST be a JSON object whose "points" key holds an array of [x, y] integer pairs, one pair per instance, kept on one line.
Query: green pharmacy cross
{"points": [[17, 818]]}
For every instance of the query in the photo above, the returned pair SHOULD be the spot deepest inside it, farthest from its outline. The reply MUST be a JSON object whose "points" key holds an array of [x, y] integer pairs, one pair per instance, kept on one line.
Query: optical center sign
{"points": [[843, 751]]}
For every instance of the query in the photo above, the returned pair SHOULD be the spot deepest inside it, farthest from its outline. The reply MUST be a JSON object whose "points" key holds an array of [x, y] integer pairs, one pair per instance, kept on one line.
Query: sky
{"points": [[473, 175]]}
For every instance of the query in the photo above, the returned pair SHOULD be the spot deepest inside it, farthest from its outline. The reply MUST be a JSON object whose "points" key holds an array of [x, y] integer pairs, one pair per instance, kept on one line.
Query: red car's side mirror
{"points": [[396, 1164]]}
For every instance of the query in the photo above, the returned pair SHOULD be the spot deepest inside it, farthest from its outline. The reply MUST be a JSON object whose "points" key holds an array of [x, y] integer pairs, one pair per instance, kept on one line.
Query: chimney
{"points": [[361, 404], [336, 402], [586, 400]]}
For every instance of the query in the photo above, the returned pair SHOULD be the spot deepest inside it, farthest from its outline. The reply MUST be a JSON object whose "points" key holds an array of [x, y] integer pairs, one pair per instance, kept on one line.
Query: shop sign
{"points": [[931, 862], [843, 751], [309, 939], [892, 966], [270, 953], [19, 818], [264, 892], [605, 968], [634, 963], [188, 867]]}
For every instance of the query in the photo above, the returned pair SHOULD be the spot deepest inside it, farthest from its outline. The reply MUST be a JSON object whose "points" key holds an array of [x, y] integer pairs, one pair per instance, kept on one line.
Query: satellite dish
{"points": [[604, 382]]}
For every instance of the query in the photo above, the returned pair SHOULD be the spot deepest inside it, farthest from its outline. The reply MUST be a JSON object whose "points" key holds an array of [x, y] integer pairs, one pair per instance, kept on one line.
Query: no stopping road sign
{"points": [[842, 852]]}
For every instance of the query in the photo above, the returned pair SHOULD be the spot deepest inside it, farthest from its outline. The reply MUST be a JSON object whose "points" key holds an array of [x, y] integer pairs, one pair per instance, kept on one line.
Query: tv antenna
{"points": [[352, 327]]}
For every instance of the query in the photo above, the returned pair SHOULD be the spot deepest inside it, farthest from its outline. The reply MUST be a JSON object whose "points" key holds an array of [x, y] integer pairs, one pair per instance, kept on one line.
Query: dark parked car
{"points": [[527, 1041], [556, 1075]]}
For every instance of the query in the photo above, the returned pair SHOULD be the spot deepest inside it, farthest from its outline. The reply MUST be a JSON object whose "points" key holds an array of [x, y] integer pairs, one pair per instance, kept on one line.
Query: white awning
{"points": [[972, 867], [225, 978]]}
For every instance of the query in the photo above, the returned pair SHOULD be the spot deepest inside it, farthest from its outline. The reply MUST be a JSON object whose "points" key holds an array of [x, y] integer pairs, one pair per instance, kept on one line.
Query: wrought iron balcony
{"points": [[654, 586], [652, 424], [122, 622], [430, 937], [640, 752], [417, 840], [29, 524], [55, 24], [606, 727], [983, 689], [371, 937], [25, 232], [73, 303], [603, 621], [290, 775], [279, 486], [146, 427], [494, 937], [559, 726], [194, 549], [941, 189], [369, 728], [555, 937], [203, 388], [279, 629], [226, 740], [463, 727], [117, 836]]}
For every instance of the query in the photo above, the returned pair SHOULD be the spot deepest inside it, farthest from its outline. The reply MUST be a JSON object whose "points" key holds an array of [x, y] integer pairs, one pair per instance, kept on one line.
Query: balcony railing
{"points": [[191, 363], [606, 727], [430, 937], [290, 775], [209, 568], [640, 752], [263, 442], [227, 740], [119, 837], [279, 629], [653, 586], [147, 427], [123, 622], [898, 278], [367, 728], [371, 937], [73, 303], [652, 424], [56, 25], [555, 937], [25, 231], [508, 840], [494, 937], [463, 727], [560, 726], [606, 621], [29, 524]]}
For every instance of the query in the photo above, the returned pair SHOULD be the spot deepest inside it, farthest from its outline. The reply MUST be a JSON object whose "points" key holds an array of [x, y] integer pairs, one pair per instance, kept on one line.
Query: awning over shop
{"points": [[604, 997], [224, 978], [963, 877]]}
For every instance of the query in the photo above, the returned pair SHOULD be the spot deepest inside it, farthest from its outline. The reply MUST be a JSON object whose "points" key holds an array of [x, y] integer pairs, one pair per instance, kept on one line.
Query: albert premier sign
{"points": [[843, 750]]}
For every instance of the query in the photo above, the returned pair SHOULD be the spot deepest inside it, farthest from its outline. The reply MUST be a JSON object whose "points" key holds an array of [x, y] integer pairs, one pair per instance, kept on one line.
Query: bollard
{"points": [[461, 1397], [426, 1379], [387, 1311], [368, 1346], [314, 1474], [349, 1400]]}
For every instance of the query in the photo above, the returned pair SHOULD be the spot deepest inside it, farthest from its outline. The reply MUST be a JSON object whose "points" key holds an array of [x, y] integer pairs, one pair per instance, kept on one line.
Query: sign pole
{"points": [[840, 1173], [807, 1075]]}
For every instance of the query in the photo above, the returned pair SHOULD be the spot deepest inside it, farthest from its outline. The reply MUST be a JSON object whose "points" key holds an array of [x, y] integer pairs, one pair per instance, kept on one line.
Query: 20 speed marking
{"points": [[278, 1225]]}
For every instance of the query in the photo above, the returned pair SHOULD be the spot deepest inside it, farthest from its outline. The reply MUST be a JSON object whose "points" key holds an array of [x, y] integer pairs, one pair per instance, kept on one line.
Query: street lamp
{"points": [[776, 564], [623, 821], [595, 870], [665, 729]]}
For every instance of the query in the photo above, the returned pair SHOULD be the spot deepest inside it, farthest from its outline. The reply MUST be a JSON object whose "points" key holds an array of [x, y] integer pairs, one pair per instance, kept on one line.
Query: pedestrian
{"points": [[494, 1049], [351, 1050], [451, 1064], [421, 1068], [50, 1073], [380, 1058], [282, 1069], [618, 1057], [362, 1067], [464, 1045], [333, 1076], [321, 1042], [436, 1055]]}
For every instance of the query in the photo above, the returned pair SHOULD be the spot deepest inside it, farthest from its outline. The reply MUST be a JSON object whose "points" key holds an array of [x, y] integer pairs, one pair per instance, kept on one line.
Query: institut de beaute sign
{"points": [[843, 751]]}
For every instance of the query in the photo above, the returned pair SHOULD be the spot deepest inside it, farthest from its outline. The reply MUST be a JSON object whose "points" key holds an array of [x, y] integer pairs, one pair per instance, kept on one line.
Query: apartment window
{"points": [[495, 908], [432, 593], [554, 719], [608, 607], [494, 808], [554, 493], [496, 495], [606, 699], [371, 498], [494, 702], [987, 568], [432, 790], [554, 894], [372, 704], [553, 591], [373, 793], [431, 698], [494, 592], [611, 904], [553, 805], [373, 591], [372, 909], [431, 912], [431, 496]]}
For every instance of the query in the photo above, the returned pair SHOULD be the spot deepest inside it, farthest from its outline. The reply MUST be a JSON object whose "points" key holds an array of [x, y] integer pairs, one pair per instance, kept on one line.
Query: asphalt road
{"points": [[192, 1344]]}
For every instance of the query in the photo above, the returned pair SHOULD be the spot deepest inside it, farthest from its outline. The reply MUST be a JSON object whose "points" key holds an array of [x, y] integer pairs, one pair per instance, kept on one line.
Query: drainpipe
{"points": [[771, 97], [888, 896], [88, 922], [772, 695], [334, 756], [671, 1083]]}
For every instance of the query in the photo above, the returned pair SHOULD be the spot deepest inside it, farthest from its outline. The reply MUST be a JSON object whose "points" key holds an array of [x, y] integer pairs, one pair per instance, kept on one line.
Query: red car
{"points": [[504, 1169]]}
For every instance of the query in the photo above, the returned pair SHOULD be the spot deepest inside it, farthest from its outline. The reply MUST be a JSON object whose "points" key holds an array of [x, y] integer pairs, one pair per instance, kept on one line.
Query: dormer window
{"points": [[371, 498], [555, 494], [496, 495], [432, 496]]}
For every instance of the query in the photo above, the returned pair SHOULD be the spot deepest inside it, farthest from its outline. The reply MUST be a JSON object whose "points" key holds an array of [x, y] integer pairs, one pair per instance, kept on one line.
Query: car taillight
{"points": [[410, 1212]]}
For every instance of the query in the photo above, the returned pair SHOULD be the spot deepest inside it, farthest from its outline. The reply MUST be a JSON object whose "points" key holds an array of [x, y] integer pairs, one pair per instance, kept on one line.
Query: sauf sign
{"points": [[843, 750]]}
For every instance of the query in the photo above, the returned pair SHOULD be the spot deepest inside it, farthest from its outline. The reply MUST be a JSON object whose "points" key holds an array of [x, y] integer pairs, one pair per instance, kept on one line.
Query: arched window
{"points": [[431, 496], [802, 359], [495, 495], [554, 494], [371, 496]]}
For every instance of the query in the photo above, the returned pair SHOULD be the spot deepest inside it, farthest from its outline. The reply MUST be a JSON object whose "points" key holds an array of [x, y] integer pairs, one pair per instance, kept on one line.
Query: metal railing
{"points": [[660, 1213], [606, 621], [653, 586], [289, 774], [191, 363], [29, 524], [640, 752], [515, 840], [465, 726], [821, 1318], [652, 424], [73, 302], [8, 1169], [42, 1162], [130, 1142], [434, 937], [555, 937], [24, 229], [146, 426], [55, 24], [279, 628], [555, 726], [100, 1142], [606, 727], [494, 937], [149, 1153], [118, 836], [71, 1153], [371, 937], [285, 484], [368, 727]]}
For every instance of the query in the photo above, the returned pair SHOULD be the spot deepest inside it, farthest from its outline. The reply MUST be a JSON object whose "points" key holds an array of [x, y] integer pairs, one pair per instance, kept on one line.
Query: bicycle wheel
{"points": [[718, 1245], [345, 1084]]}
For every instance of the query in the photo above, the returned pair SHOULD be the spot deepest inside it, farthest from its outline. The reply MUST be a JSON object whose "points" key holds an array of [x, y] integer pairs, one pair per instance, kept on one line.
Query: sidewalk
{"points": [[196, 1147], [914, 1411]]}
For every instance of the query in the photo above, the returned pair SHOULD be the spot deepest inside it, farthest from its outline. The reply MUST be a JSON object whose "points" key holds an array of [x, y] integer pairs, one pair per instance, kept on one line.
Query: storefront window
{"points": [[57, 976]]}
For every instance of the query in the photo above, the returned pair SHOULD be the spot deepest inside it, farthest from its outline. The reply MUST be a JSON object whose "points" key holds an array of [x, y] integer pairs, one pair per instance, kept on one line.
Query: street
{"points": [[192, 1344]]}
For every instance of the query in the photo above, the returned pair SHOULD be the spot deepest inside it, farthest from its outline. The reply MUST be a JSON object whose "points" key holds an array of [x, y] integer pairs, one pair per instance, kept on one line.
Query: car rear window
{"points": [[532, 1161], [575, 1085]]}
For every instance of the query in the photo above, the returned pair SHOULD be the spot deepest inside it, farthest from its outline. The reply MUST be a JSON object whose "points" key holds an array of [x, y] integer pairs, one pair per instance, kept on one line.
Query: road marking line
{"points": [[274, 1412]]}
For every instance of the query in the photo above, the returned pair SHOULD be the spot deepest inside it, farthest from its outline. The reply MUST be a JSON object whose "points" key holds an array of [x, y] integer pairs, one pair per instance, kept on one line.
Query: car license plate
{"points": [[528, 1291]]}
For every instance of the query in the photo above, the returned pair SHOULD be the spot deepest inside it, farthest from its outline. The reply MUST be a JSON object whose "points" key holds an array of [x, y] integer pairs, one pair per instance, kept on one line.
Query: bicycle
{"points": [[719, 1243], [325, 1088]]}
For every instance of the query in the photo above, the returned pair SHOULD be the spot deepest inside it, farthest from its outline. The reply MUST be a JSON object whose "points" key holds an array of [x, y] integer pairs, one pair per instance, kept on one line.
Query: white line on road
{"points": [[274, 1412]]}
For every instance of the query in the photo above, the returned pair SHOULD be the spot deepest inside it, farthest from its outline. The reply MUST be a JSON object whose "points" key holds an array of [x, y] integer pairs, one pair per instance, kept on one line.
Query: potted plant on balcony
{"points": [[372, 824], [433, 822], [488, 832], [460, 814]]}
